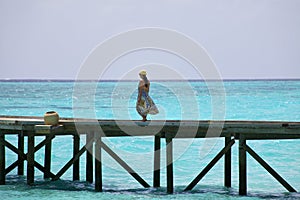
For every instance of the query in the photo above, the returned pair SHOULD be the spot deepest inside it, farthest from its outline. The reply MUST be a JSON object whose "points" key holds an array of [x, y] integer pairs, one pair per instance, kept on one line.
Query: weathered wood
{"points": [[44, 170], [242, 130], [21, 155], [261, 129], [98, 165], [47, 129], [76, 146], [30, 159], [71, 162], [24, 157], [13, 166], [169, 152], [156, 170], [210, 165], [21, 148], [269, 169], [89, 157], [2, 158], [227, 164], [15, 150], [47, 157], [125, 165], [242, 166]]}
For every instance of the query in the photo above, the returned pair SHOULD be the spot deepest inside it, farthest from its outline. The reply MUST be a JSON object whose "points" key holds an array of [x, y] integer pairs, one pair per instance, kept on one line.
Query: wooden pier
{"points": [[231, 131]]}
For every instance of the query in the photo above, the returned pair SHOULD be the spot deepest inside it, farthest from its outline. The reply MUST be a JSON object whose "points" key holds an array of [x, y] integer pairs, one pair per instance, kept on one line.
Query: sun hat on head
{"points": [[143, 72]]}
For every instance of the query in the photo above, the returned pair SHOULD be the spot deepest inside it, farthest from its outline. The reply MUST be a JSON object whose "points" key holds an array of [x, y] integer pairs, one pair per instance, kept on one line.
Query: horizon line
{"points": [[131, 80]]}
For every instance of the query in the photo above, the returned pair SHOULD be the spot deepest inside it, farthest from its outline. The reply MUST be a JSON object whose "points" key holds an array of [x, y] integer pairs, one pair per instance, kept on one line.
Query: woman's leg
{"points": [[144, 118]]}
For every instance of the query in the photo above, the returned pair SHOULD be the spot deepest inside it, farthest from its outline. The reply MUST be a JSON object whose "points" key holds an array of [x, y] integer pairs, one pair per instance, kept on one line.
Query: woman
{"points": [[145, 104]]}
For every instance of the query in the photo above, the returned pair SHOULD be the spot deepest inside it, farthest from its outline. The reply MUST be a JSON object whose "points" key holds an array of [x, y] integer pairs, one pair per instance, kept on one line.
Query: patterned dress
{"points": [[146, 105]]}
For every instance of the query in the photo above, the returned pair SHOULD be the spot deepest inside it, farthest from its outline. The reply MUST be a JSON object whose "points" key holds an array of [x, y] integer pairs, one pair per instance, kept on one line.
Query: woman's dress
{"points": [[146, 105]]}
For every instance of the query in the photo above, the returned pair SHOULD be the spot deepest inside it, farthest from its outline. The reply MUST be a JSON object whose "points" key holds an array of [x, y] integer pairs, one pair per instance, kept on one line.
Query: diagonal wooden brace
{"points": [[269, 169], [73, 160], [124, 165], [23, 156], [209, 166]]}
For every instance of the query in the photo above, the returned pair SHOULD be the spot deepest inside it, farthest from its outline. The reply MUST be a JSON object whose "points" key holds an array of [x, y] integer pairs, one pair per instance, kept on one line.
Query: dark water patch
{"points": [[18, 185]]}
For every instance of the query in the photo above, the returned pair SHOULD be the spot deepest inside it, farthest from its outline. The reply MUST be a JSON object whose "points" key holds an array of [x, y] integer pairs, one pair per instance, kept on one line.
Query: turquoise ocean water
{"points": [[276, 100]]}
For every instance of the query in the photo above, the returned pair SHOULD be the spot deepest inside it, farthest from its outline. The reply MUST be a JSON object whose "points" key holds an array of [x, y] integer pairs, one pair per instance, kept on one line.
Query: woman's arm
{"points": [[140, 92]]}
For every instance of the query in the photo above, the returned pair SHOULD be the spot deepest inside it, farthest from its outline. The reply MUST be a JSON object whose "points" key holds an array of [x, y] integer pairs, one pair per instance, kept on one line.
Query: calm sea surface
{"points": [[243, 100]]}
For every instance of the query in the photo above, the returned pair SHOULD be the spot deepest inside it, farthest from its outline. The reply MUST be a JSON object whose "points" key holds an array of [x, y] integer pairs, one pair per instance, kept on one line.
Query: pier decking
{"points": [[169, 130]]}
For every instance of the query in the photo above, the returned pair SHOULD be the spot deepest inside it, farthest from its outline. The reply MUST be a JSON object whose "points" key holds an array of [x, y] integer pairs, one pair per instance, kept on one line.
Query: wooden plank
{"points": [[21, 148], [156, 170], [242, 166], [269, 169], [170, 178], [47, 129], [227, 164], [261, 129], [76, 146], [271, 136], [89, 157], [125, 165], [210, 165], [98, 166], [30, 159], [2, 158]]}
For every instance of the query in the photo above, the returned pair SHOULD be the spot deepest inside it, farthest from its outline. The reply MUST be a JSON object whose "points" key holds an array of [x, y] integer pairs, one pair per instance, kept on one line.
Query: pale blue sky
{"points": [[245, 38]]}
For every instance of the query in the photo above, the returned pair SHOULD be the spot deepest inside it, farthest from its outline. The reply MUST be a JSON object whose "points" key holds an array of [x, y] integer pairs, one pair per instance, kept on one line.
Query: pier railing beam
{"points": [[169, 152], [2, 158], [156, 170], [242, 166]]}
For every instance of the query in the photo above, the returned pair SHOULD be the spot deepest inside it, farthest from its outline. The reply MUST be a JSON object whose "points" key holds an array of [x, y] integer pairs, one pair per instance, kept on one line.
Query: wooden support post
{"points": [[2, 158], [23, 156], [156, 170], [89, 158], [30, 159], [242, 166], [169, 152], [47, 161], [20, 159], [76, 145], [227, 164], [98, 166]]}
